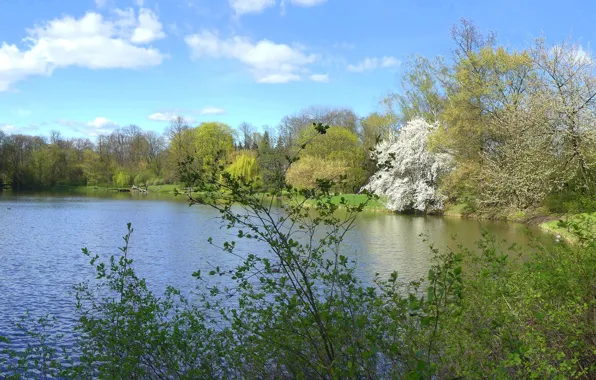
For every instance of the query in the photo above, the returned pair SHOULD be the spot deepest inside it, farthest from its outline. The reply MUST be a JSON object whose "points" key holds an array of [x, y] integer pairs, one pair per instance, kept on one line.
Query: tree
{"points": [[245, 167], [155, 147], [305, 173], [292, 127], [409, 174], [98, 171], [338, 144], [421, 94], [567, 73], [375, 127], [246, 130], [180, 145], [214, 142], [271, 161]]}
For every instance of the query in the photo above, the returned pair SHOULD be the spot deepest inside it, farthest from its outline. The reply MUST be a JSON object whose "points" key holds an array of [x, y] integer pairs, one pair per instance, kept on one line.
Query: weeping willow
{"points": [[245, 167]]}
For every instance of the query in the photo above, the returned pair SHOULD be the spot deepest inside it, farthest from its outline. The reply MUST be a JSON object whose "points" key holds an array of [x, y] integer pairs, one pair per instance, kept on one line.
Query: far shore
{"points": [[549, 223]]}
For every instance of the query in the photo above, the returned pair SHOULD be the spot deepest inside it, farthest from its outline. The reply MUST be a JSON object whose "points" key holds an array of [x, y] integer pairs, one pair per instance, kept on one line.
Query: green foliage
{"points": [[244, 166], [214, 143], [339, 152], [143, 178], [271, 162], [525, 320], [298, 310], [571, 200], [122, 179], [305, 173]]}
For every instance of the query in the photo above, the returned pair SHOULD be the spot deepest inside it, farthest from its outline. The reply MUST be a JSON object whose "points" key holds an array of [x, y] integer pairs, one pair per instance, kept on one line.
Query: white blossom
{"points": [[408, 173]]}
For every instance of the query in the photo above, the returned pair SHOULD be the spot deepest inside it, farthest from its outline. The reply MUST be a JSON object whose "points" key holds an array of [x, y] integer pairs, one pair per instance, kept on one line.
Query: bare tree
{"points": [[247, 134]]}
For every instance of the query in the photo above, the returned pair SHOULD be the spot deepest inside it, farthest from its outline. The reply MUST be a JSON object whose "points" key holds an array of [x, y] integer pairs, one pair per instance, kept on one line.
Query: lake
{"points": [[41, 237]]}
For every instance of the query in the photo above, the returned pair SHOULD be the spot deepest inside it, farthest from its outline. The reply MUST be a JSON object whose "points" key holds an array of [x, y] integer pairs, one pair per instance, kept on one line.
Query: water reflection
{"points": [[41, 239]]}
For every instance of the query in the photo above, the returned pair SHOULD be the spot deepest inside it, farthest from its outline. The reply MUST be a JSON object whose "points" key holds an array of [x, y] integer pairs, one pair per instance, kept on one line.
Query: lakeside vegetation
{"points": [[504, 132], [299, 311], [498, 133]]}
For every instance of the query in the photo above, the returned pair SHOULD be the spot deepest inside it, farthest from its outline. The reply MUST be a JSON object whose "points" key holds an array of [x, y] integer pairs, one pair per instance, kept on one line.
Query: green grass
{"points": [[587, 219], [376, 205], [355, 199], [455, 209], [164, 188]]}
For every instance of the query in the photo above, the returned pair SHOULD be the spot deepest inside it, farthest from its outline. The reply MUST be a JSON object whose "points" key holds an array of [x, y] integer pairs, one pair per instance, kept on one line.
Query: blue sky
{"points": [[85, 67]]}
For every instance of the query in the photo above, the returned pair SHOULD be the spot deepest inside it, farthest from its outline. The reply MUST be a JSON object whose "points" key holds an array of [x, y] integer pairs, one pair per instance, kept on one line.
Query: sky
{"points": [[87, 67]]}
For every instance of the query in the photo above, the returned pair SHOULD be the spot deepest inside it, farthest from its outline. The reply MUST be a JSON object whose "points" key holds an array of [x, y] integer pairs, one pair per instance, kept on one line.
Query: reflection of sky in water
{"points": [[41, 240]]}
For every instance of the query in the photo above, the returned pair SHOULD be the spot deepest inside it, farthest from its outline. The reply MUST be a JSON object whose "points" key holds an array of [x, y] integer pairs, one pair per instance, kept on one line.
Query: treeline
{"points": [[130, 156], [497, 131], [519, 125]]}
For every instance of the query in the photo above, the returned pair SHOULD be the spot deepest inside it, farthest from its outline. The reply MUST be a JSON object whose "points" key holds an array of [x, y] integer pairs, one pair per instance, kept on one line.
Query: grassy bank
{"points": [[565, 225], [377, 205]]}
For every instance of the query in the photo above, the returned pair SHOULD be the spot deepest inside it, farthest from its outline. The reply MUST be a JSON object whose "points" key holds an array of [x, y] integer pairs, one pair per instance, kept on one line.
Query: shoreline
{"points": [[546, 222]]}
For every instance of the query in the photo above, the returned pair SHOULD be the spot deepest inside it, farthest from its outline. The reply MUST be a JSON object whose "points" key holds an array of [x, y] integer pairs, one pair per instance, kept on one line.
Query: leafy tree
{"points": [[122, 179], [305, 173], [245, 166], [409, 174], [421, 92], [213, 142], [338, 145], [271, 161]]}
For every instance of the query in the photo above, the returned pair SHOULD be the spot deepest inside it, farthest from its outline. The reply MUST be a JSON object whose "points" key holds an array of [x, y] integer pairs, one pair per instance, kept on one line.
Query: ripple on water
{"points": [[41, 239]]}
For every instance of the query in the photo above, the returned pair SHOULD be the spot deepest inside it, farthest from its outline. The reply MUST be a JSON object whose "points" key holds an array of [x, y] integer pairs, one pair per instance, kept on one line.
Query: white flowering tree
{"points": [[408, 173]]}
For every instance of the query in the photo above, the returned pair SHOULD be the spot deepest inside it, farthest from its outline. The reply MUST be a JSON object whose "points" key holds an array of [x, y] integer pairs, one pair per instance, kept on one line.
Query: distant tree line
{"points": [[496, 131], [131, 156]]}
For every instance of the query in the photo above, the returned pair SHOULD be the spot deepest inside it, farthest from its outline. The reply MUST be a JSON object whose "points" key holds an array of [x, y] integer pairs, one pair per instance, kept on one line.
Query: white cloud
{"points": [[140, 3], [161, 116], [90, 41], [23, 129], [321, 78], [268, 62], [212, 111], [250, 6], [575, 52], [169, 116], [100, 3], [374, 63], [99, 126], [149, 28], [102, 122], [307, 3]]}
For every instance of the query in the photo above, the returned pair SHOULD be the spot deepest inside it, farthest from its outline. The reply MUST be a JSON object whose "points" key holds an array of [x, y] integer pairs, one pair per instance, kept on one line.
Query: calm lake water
{"points": [[41, 237]]}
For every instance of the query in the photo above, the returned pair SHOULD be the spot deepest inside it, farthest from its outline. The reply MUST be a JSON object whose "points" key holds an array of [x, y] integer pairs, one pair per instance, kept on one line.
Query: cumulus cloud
{"points": [[321, 78], [90, 41], [149, 28], [268, 62], [374, 63]]}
